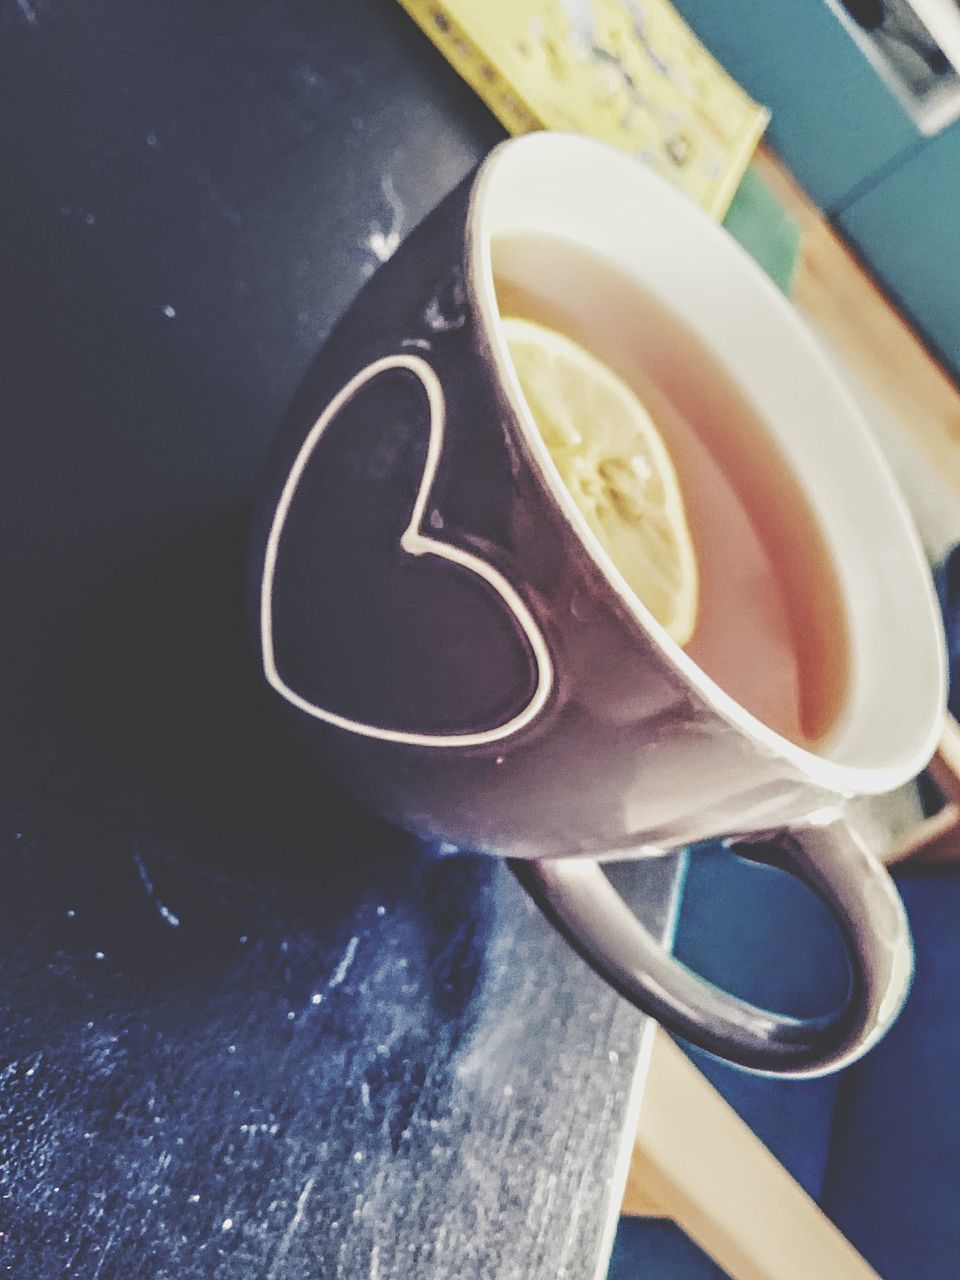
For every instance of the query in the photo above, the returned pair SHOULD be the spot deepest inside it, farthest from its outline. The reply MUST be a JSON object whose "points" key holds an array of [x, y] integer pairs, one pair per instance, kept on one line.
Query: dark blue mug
{"points": [[439, 622]]}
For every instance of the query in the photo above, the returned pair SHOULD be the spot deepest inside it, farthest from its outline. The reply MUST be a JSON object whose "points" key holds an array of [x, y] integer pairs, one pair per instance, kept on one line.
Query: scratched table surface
{"points": [[246, 1030]]}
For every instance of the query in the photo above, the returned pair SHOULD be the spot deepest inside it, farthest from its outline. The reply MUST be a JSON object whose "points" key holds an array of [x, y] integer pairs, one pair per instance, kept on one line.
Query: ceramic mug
{"points": [[435, 613]]}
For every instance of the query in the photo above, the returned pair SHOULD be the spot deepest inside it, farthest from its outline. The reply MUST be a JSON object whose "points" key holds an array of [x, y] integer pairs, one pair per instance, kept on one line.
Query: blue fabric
{"points": [[759, 933], [893, 1184], [653, 1249], [762, 935], [879, 1147]]}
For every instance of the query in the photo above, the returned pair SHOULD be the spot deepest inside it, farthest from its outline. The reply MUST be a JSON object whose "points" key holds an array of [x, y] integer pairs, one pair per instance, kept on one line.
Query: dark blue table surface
{"points": [[247, 1030]]}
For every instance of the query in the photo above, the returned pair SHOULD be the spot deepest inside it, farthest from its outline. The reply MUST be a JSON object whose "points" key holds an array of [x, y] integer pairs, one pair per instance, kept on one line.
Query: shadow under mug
{"points": [[437, 616]]}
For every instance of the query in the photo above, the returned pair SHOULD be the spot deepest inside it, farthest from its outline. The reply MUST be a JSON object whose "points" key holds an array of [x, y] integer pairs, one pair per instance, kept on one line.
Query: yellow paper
{"points": [[629, 72]]}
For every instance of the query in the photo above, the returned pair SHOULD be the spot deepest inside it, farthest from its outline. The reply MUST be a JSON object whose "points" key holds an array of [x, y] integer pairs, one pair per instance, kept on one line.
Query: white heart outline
{"points": [[415, 543]]}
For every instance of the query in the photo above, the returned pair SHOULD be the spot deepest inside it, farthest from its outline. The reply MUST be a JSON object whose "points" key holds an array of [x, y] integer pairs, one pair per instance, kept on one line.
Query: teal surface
{"points": [[894, 194], [834, 121], [907, 228], [759, 221]]}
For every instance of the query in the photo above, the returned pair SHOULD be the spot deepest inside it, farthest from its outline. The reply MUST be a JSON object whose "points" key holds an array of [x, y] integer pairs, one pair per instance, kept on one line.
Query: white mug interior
{"points": [[611, 203]]}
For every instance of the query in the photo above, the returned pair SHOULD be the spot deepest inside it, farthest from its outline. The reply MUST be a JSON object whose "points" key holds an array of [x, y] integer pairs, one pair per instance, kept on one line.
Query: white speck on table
{"points": [[163, 910], [346, 960], [382, 241]]}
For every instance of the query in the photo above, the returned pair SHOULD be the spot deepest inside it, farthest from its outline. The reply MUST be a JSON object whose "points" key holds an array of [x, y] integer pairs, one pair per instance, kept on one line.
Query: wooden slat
{"points": [[695, 1161], [936, 839], [945, 765]]}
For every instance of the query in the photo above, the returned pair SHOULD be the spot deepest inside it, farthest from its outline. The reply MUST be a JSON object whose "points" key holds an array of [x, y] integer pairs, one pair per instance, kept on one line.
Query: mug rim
{"points": [[834, 776]]}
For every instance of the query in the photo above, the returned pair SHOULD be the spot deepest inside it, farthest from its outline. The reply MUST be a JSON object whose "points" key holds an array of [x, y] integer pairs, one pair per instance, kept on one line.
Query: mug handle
{"points": [[826, 855]]}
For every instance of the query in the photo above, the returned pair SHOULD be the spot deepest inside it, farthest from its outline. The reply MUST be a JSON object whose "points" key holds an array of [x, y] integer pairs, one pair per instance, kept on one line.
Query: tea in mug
{"points": [[759, 606]]}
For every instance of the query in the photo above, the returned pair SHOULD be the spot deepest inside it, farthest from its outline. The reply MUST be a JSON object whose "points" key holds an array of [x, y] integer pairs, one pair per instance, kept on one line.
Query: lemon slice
{"points": [[616, 466]]}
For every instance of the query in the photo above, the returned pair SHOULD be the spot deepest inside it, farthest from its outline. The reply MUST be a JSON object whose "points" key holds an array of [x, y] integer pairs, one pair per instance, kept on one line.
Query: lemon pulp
{"points": [[615, 465]]}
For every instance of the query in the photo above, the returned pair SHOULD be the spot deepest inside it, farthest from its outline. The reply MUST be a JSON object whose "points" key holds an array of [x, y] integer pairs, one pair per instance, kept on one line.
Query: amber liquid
{"points": [[771, 626]]}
